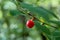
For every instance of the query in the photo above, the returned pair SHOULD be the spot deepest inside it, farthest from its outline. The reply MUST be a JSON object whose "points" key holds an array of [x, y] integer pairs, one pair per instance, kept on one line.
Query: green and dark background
{"points": [[15, 13]]}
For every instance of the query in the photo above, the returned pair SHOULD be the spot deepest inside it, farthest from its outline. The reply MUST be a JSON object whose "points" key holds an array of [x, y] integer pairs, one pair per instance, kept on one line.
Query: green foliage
{"points": [[42, 28], [57, 23], [39, 11], [15, 13]]}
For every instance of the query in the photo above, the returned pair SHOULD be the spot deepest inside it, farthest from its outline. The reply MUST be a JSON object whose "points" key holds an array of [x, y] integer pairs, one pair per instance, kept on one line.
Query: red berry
{"points": [[30, 24]]}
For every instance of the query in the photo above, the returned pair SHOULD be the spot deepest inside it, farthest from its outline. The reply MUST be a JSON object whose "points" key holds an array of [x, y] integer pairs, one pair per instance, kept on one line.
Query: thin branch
{"points": [[25, 11], [35, 18]]}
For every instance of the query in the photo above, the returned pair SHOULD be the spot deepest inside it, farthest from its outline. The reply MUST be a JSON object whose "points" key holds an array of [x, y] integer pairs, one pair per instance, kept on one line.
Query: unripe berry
{"points": [[29, 23]]}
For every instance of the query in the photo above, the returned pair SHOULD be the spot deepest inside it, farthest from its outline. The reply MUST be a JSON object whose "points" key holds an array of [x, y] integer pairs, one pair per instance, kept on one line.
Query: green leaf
{"points": [[51, 12], [57, 38], [42, 28], [57, 23], [56, 33], [14, 12], [39, 11]]}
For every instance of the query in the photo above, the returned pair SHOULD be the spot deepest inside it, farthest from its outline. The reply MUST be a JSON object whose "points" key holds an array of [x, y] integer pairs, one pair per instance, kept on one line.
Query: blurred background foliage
{"points": [[15, 13]]}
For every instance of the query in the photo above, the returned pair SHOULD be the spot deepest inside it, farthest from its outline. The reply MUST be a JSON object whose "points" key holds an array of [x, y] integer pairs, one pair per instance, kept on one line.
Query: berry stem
{"points": [[30, 14]]}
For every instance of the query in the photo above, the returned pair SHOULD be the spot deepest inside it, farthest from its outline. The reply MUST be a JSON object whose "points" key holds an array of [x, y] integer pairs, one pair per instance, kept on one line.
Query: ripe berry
{"points": [[29, 23]]}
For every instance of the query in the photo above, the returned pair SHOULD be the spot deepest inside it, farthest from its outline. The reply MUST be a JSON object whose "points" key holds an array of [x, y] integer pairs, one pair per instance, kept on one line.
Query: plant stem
{"points": [[30, 14]]}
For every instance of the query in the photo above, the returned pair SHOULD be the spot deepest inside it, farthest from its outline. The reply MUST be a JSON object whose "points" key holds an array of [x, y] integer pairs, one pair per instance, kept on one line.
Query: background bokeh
{"points": [[14, 14]]}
